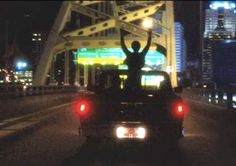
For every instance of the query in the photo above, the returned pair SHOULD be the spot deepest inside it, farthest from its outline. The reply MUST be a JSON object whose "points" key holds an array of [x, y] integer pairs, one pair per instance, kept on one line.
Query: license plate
{"points": [[131, 133], [126, 132]]}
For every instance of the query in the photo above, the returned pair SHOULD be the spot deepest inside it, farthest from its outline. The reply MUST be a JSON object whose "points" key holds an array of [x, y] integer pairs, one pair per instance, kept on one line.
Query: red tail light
{"points": [[83, 108], [179, 109]]}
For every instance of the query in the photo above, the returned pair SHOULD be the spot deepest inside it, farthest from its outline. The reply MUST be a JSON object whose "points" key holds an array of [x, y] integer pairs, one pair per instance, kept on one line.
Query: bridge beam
{"points": [[59, 41], [132, 16], [170, 41]]}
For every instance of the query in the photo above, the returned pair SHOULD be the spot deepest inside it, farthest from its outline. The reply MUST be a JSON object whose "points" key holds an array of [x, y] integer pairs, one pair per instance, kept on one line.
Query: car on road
{"points": [[111, 111]]}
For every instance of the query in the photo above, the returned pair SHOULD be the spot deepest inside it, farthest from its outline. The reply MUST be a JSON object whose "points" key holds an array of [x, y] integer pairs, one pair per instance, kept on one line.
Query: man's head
{"points": [[135, 45]]}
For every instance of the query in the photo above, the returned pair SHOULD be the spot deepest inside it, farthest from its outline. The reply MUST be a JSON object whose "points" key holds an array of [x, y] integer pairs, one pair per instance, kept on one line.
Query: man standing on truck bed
{"points": [[135, 60]]}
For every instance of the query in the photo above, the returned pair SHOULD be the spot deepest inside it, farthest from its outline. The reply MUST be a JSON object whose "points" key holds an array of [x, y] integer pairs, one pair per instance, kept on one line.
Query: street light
{"points": [[148, 23]]}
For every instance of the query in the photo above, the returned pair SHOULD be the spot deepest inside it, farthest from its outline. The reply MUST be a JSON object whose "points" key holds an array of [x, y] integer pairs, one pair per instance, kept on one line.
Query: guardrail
{"points": [[21, 91], [225, 98]]}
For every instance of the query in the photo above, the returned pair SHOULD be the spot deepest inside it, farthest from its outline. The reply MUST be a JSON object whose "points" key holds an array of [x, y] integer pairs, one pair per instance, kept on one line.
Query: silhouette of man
{"points": [[135, 60]]}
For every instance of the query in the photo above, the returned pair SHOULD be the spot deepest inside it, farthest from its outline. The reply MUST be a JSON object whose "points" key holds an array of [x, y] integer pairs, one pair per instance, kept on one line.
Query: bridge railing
{"points": [[225, 98], [21, 91]]}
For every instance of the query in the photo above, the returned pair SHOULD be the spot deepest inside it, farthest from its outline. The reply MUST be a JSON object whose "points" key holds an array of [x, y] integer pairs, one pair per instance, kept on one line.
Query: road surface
{"points": [[210, 140]]}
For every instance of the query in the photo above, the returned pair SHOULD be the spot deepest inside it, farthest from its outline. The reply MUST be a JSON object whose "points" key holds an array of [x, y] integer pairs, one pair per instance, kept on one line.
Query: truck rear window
{"points": [[148, 81]]}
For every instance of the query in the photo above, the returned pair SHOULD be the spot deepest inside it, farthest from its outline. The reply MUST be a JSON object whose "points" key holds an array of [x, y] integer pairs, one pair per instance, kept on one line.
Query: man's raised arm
{"points": [[122, 43]]}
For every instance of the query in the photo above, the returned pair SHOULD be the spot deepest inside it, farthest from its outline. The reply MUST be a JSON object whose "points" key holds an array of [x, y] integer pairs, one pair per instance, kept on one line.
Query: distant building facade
{"points": [[224, 63], [181, 50], [220, 26], [38, 41]]}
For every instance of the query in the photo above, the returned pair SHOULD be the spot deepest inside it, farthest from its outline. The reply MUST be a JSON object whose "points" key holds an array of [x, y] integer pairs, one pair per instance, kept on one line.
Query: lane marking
{"points": [[23, 122], [24, 117]]}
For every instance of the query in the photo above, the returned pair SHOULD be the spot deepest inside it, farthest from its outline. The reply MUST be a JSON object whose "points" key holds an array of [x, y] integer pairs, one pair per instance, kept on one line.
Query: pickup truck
{"points": [[153, 112]]}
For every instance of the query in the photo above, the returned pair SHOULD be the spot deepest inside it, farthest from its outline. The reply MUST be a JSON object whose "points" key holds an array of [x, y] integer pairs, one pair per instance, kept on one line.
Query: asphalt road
{"points": [[210, 140]]}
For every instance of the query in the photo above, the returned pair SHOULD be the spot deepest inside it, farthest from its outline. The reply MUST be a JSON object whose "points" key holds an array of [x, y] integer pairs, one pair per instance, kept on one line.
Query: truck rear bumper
{"points": [[152, 131]]}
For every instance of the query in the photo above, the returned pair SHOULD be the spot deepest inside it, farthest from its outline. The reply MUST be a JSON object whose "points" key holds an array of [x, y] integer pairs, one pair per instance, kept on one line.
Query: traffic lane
{"points": [[56, 139], [133, 154], [204, 144], [57, 143]]}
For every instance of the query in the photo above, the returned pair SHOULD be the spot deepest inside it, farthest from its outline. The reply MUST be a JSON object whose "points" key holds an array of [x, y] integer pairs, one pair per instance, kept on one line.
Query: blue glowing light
{"points": [[222, 4], [21, 65]]}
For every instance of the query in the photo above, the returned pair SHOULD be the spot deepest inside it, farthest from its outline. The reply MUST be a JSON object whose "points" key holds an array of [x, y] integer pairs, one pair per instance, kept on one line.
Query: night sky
{"points": [[39, 15]]}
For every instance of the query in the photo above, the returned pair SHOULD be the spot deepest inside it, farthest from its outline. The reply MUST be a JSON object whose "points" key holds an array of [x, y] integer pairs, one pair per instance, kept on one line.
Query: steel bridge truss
{"points": [[104, 17]]}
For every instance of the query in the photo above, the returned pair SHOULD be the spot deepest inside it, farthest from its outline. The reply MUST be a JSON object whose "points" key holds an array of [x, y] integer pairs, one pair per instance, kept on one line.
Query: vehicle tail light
{"points": [[83, 108], [179, 109]]}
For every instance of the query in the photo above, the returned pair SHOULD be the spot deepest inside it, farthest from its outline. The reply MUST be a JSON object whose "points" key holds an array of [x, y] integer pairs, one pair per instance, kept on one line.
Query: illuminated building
{"points": [[24, 77], [38, 40], [23, 74], [220, 25], [220, 18], [180, 49]]}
